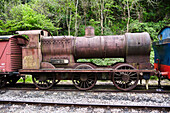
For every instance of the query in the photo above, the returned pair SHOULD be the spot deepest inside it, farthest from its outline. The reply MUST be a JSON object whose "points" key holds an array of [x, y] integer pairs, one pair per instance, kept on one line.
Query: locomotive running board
{"points": [[79, 70]]}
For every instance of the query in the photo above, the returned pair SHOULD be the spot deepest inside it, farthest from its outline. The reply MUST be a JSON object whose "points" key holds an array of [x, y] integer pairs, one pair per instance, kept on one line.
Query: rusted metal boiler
{"points": [[134, 47], [50, 59]]}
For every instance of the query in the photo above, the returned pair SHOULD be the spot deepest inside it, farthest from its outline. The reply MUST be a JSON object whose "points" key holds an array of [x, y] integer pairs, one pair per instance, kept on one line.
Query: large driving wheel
{"points": [[3, 81], [125, 80], [43, 81], [84, 81]]}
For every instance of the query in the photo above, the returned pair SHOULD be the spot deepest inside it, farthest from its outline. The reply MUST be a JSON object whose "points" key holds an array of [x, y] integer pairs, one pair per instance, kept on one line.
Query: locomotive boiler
{"points": [[134, 47], [50, 59]]}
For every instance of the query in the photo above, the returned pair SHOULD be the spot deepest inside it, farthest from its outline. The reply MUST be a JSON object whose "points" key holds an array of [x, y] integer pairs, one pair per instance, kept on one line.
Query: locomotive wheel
{"points": [[43, 81], [84, 81], [125, 80], [2, 81]]}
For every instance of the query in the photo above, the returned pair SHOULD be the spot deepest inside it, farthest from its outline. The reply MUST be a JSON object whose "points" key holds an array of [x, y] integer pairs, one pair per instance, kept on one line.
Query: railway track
{"points": [[84, 105], [108, 106], [98, 88]]}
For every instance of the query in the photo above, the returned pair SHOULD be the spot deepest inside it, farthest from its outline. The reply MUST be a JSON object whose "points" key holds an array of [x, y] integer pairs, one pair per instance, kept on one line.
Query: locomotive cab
{"points": [[162, 53], [31, 53]]}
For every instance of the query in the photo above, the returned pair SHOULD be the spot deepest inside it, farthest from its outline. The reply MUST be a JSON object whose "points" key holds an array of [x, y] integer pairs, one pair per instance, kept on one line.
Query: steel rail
{"points": [[75, 90], [84, 105], [31, 87]]}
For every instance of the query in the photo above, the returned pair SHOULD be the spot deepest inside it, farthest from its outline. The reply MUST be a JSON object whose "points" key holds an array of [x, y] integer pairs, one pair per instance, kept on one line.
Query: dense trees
{"points": [[69, 17]]}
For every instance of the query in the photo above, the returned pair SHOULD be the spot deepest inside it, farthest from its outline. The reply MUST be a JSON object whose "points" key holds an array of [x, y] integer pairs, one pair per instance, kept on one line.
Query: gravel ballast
{"points": [[7, 108], [79, 97], [88, 97]]}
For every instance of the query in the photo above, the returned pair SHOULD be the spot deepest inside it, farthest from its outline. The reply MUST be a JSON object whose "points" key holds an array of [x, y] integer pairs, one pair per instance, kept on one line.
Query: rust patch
{"points": [[28, 62]]}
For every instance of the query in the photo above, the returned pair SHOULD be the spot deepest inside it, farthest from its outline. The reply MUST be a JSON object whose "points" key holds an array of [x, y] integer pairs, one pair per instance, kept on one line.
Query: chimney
{"points": [[89, 31]]}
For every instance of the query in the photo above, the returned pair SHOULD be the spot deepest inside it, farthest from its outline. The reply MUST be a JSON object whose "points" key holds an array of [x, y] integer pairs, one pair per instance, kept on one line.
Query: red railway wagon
{"points": [[10, 57]]}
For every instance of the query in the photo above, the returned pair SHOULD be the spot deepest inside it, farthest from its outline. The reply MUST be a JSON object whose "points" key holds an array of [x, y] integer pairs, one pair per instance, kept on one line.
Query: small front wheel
{"points": [[43, 81]]}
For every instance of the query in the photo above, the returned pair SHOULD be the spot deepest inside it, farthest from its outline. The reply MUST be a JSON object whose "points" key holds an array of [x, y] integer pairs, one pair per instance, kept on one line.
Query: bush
{"points": [[23, 17]]}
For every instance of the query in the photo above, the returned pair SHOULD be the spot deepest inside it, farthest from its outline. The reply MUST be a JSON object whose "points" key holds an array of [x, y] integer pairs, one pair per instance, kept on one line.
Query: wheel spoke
{"points": [[133, 74], [84, 84], [44, 82], [133, 78], [118, 78], [125, 80], [118, 74], [87, 83], [81, 84]]}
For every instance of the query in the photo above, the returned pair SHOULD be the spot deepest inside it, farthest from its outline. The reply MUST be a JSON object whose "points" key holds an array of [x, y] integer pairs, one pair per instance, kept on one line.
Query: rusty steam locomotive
{"points": [[50, 59]]}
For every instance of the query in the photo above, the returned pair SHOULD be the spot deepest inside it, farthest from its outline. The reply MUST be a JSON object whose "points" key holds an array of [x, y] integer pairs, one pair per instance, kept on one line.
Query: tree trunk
{"points": [[102, 8], [85, 18], [76, 19], [128, 16], [68, 20], [69, 24]]}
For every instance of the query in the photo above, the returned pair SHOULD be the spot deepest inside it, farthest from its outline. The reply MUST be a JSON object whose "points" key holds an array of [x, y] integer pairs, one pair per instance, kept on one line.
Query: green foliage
{"points": [[23, 17], [149, 16], [102, 62], [152, 56], [150, 27], [1, 24], [119, 28], [28, 79], [154, 77], [81, 30]]}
